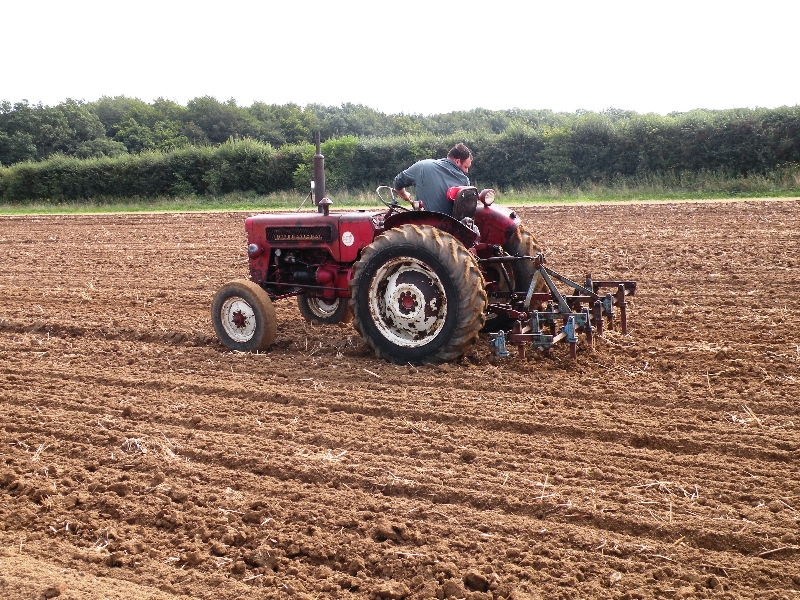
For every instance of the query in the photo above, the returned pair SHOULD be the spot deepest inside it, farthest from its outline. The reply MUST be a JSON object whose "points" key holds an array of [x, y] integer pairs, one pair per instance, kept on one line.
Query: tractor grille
{"points": [[300, 234]]}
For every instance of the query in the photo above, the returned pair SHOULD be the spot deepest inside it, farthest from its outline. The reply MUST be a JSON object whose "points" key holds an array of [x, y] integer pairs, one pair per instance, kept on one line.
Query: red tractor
{"points": [[419, 286]]}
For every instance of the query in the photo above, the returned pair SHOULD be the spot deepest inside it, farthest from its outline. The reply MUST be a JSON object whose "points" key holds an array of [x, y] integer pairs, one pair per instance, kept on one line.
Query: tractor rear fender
{"points": [[497, 224], [446, 223]]}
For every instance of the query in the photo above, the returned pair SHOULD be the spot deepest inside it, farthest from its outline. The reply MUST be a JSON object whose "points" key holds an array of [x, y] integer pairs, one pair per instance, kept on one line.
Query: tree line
{"points": [[119, 125], [125, 147]]}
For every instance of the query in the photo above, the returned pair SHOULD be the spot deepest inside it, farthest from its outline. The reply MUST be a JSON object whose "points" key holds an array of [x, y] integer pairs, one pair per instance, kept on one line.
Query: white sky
{"points": [[407, 56]]}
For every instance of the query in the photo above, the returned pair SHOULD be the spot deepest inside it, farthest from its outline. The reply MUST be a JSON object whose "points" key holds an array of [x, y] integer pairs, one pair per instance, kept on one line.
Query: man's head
{"points": [[462, 156]]}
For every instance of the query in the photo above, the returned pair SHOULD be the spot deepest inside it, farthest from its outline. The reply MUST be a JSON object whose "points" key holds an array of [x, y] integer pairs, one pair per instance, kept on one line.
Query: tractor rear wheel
{"points": [[522, 243], [243, 316], [417, 296], [321, 310]]}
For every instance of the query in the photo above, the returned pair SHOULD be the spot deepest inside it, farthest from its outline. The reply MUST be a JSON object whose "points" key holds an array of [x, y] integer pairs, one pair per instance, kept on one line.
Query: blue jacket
{"points": [[431, 178]]}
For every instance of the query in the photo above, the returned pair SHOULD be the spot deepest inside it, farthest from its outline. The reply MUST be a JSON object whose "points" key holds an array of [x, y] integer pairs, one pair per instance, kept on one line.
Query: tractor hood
{"points": [[341, 234]]}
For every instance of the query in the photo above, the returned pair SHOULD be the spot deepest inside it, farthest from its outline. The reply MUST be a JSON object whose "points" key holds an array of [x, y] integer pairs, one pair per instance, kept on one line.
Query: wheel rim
{"points": [[321, 308], [408, 302], [238, 319]]}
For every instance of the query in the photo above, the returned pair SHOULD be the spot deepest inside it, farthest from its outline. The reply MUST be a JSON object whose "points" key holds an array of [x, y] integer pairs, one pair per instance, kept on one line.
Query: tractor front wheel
{"points": [[321, 310], [243, 316], [417, 296]]}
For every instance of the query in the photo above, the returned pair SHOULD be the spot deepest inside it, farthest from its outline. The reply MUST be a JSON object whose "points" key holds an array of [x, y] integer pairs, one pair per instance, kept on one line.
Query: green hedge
{"points": [[237, 165], [588, 147]]}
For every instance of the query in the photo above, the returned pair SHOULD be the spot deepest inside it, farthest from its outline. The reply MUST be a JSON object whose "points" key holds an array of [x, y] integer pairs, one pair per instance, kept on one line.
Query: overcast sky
{"points": [[407, 56]]}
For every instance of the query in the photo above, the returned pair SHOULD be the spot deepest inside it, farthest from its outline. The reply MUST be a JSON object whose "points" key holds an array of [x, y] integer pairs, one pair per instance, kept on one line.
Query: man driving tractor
{"points": [[433, 177]]}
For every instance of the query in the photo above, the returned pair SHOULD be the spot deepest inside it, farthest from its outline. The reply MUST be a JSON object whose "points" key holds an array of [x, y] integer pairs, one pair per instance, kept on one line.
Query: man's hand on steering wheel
{"points": [[403, 193]]}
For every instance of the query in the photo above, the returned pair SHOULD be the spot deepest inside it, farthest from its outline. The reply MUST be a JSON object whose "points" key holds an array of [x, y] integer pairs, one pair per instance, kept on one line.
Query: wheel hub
{"points": [[239, 320], [408, 301]]}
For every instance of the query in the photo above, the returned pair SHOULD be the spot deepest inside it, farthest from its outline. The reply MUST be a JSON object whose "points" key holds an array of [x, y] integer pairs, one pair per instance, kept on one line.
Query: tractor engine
{"points": [[308, 253]]}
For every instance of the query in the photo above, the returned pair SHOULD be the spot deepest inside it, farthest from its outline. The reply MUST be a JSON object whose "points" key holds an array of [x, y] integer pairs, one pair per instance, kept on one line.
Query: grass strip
{"points": [[367, 199]]}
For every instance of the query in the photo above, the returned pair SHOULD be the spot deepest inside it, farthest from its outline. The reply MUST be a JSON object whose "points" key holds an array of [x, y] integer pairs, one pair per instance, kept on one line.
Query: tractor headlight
{"points": [[487, 197]]}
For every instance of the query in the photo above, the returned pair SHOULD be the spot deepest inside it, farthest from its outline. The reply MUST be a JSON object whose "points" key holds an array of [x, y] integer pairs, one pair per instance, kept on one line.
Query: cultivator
{"points": [[546, 317]]}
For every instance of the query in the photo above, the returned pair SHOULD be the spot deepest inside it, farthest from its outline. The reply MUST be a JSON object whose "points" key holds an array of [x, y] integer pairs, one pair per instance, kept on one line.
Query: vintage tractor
{"points": [[419, 286]]}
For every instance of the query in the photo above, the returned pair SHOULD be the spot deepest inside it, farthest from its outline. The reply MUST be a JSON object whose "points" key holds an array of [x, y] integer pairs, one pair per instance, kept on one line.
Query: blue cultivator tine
{"points": [[498, 342]]}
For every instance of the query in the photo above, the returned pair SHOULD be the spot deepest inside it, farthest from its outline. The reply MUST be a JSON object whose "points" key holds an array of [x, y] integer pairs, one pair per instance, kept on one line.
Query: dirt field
{"points": [[140, 459]]}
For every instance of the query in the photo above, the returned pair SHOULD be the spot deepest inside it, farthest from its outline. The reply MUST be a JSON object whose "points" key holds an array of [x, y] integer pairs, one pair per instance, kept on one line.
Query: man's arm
{"points": [[405, 179]]}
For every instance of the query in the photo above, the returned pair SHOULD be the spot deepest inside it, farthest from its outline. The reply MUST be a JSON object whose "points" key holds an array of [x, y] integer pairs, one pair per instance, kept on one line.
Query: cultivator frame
{"points": [[564, 315]]}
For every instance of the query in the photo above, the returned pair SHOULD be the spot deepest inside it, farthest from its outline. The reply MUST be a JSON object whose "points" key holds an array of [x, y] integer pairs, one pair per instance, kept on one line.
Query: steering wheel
{"points": [[392, 203]]}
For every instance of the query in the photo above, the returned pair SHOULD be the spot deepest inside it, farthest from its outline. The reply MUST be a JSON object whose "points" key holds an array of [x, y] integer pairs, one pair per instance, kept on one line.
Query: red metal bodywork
{"points": [[321, 248], [497, 224]]}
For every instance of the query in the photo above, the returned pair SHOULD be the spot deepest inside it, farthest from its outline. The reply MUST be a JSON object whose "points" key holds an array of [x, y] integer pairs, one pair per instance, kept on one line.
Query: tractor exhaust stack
{"points": [[319, 178]]}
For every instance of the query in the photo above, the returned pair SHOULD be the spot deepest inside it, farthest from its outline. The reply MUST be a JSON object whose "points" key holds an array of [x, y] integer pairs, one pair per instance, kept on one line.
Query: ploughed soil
{"points": [[141, 459]]}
